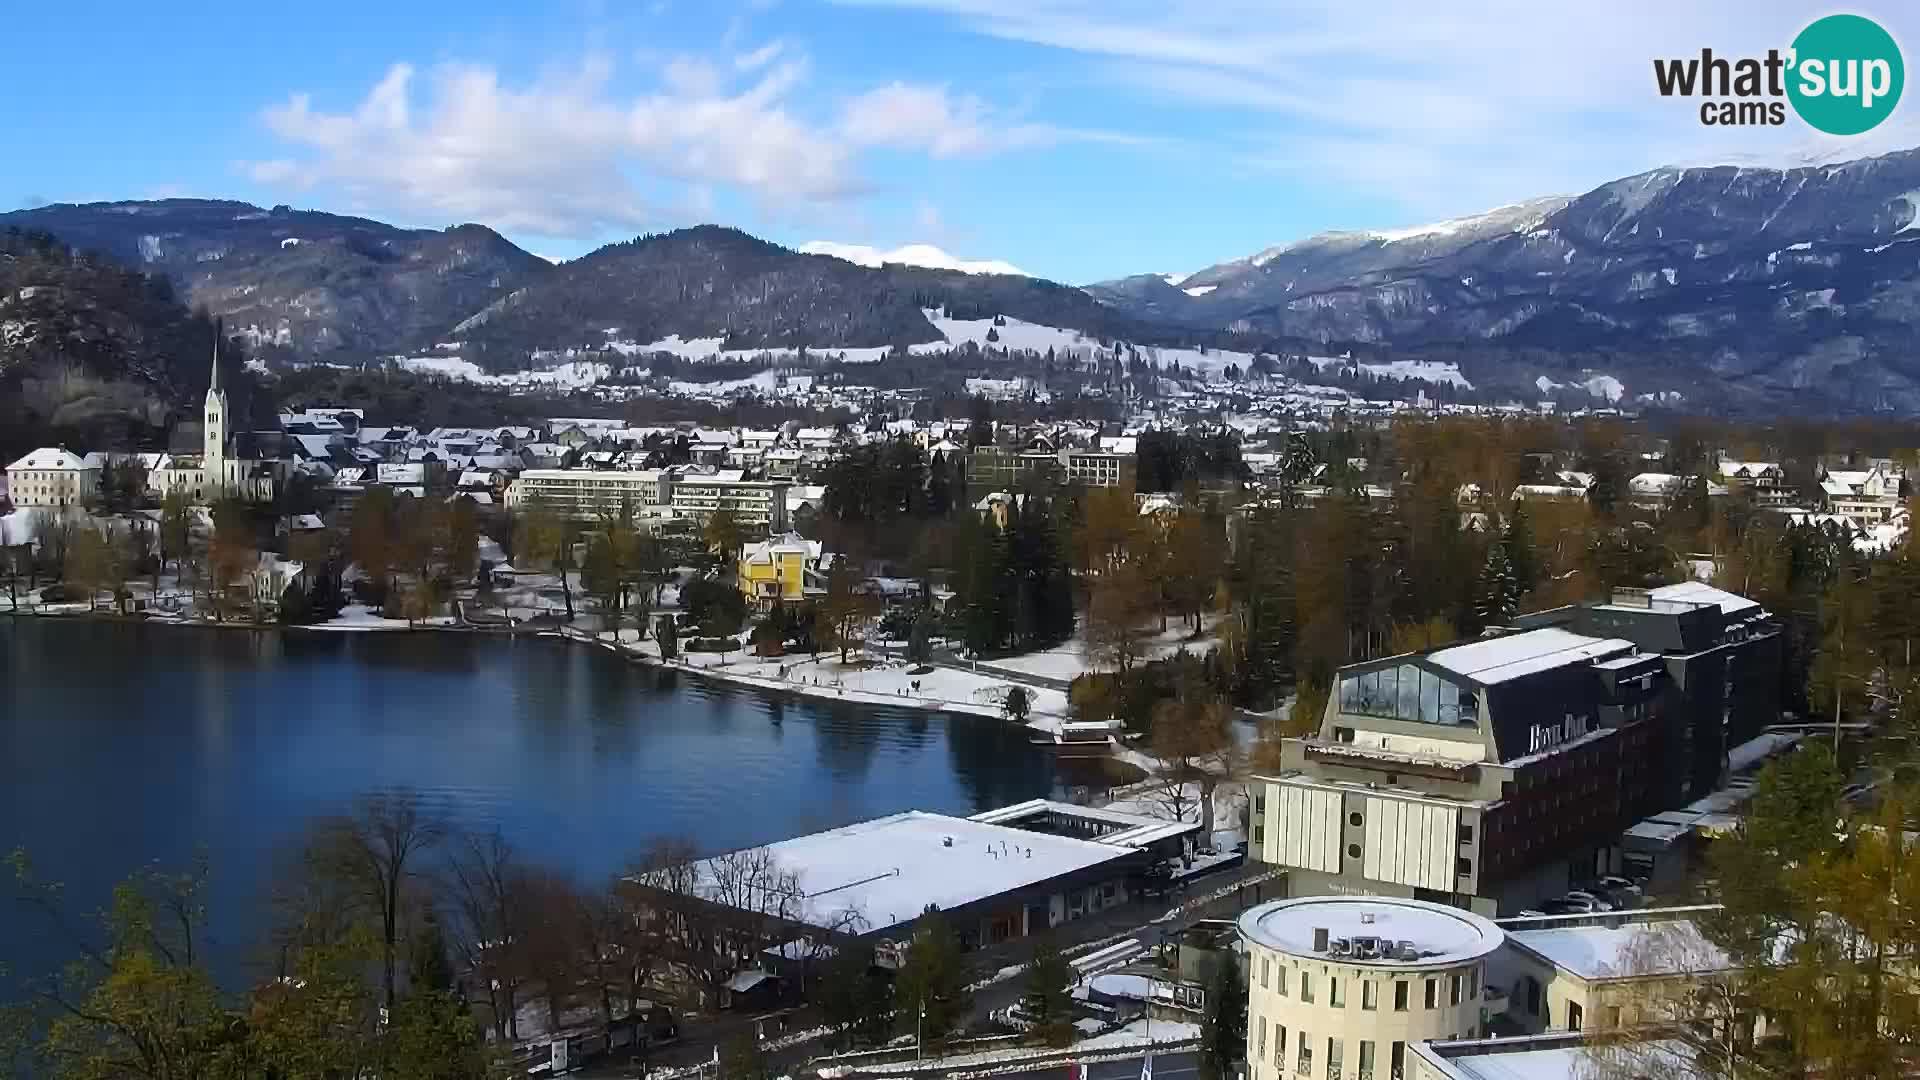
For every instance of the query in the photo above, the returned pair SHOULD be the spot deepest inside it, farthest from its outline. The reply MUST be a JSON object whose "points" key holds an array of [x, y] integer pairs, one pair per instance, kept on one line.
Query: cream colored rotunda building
{"points": [[1341, 986]]}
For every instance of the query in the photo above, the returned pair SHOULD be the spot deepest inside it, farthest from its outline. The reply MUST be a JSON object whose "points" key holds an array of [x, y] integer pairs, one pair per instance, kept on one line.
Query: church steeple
{"points": [[216, 423]]}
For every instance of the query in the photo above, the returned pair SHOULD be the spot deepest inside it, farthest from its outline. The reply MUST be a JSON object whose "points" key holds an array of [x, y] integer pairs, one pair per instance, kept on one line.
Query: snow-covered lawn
{"points": [[1068, 660]]}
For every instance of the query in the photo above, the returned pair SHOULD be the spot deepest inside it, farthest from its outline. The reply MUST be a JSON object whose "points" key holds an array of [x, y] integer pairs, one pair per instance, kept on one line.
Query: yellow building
{"points": [[781, 570]]}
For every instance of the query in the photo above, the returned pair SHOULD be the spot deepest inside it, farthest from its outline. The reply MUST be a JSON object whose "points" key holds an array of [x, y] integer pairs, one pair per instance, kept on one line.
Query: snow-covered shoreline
{"points": [[1041, 720]]}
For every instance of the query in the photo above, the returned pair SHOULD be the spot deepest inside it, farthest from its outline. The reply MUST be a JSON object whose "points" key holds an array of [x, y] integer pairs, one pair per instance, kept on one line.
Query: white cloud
{"points": [[1440, 108], [565, 156], [554, 157], [944, 124], [911, 255]]}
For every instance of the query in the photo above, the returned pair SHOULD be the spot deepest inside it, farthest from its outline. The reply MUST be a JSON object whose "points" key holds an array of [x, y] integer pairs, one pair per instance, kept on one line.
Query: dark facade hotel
{"points": [[1496, 773]]}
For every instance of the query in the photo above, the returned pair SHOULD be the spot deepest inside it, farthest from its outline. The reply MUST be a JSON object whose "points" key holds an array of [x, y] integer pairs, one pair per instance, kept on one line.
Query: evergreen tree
{"points": [[1223, 1029], [931, 991], [668, 637], [1517, 539], [1048, 1002], [1497, 597]]}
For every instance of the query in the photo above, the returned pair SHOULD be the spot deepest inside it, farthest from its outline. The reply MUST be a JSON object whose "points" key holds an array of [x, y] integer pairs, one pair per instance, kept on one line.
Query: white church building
{"points": [[220, 469]]}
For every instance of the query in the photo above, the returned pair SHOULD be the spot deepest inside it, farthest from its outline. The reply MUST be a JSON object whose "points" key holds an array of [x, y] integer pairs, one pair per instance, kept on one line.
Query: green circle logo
{"points": [[1846, 76]]}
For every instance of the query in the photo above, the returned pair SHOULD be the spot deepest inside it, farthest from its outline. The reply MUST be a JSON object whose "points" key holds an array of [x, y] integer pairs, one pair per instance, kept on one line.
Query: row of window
{"points": [[1459, 988], [1303, 1048]]}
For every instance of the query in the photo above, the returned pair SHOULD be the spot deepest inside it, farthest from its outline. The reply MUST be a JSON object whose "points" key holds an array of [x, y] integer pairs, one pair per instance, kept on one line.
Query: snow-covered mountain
{"points": [[1745, 279], [910, 255]]}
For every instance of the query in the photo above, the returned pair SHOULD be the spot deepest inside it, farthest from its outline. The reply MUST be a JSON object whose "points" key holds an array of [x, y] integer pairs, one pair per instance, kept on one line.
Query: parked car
{"points": [[1600, 903], [1624, 892], [1566, 907]]}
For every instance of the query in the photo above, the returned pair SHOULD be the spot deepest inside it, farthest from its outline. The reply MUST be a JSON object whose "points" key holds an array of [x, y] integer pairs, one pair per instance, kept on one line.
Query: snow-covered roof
{"points": [[1440, 935], [48, 457], [1699, 592], [884, 872], [1550, 1056], [1130, 830], [1513, 655], [1623, 952]]}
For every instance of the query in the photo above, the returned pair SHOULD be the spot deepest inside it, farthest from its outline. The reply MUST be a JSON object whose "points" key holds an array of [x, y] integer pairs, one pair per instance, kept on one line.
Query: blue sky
{"points": [[1077, 139]]}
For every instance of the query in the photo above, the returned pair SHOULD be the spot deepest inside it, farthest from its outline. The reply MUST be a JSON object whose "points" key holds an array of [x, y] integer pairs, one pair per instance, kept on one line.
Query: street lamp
{"points": [[919, 1023]]}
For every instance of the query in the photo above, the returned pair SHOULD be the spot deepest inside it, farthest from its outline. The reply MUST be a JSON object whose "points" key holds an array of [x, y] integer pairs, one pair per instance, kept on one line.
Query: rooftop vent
{"points": [[946, 841], [1319, 939], [1340, 947], [1366, 917]]}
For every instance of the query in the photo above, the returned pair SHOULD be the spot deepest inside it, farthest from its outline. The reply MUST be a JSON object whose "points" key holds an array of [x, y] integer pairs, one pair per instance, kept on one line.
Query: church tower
{"points": [[213, 460]]}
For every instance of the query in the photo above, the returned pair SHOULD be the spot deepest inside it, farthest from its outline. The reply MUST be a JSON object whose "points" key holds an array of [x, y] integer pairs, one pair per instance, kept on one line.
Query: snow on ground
{"points": [[710, 349], [358, 617], [884, 682], [1140, 1033], [577, 373], [910, 255], [1068, 659], [1199, 290], [1600, 386], [1432, 371], [763, 381]]}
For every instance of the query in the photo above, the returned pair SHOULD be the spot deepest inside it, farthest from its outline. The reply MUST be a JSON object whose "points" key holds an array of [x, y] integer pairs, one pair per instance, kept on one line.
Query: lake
{"points": [[123, 744]]}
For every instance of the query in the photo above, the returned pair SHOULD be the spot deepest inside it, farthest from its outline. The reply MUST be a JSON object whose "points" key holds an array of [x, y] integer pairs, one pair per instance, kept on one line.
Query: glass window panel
{"points": [[1409, 707], [1429, 698]]}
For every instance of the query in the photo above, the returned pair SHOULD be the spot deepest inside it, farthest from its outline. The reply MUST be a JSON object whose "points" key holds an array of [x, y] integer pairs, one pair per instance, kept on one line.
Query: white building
{"points": [[1867, 496], [757, 504], [1342, 986], [585, 493], [51, 476]]}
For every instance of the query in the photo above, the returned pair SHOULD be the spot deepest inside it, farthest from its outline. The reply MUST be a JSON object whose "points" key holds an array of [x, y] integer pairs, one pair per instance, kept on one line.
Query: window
{"points": [[1399, 997], [1266, 969], [1613, 1016], [1473, 982], [1397, 1059], [1303, 1064], [1282, 969], [1466, 834], [1433, 993], [1532, 995], [1354, 819], [1366, 1059], [1573, 1016], [1280, 1047], [1336, 1050], [1453, 989], [1353, 851], [1259, 834], [1463, 867], [1306, 987], [1369, 994], [1334, 997], [1263, 1038]]}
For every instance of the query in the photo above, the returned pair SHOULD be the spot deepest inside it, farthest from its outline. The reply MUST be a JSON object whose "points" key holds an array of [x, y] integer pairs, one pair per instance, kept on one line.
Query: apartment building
{"points": [[587, 493], [1764, 480], [757, 504]]}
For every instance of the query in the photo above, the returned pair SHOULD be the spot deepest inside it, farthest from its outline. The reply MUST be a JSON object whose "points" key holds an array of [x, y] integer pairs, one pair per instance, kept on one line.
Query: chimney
{"points": [[1319, 939]]}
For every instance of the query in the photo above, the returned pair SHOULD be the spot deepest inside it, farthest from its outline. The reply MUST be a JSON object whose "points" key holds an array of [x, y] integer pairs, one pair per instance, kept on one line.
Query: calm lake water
{"points": [[123, 744]]}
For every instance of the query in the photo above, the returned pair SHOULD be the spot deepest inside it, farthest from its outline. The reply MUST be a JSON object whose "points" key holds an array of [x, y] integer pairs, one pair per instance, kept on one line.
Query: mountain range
{"points": [[1768, 282], [1729, 286]]}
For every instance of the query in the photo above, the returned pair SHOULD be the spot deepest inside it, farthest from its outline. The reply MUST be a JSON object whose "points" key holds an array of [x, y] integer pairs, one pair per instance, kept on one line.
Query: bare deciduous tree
{"points": [[379, 854]]}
